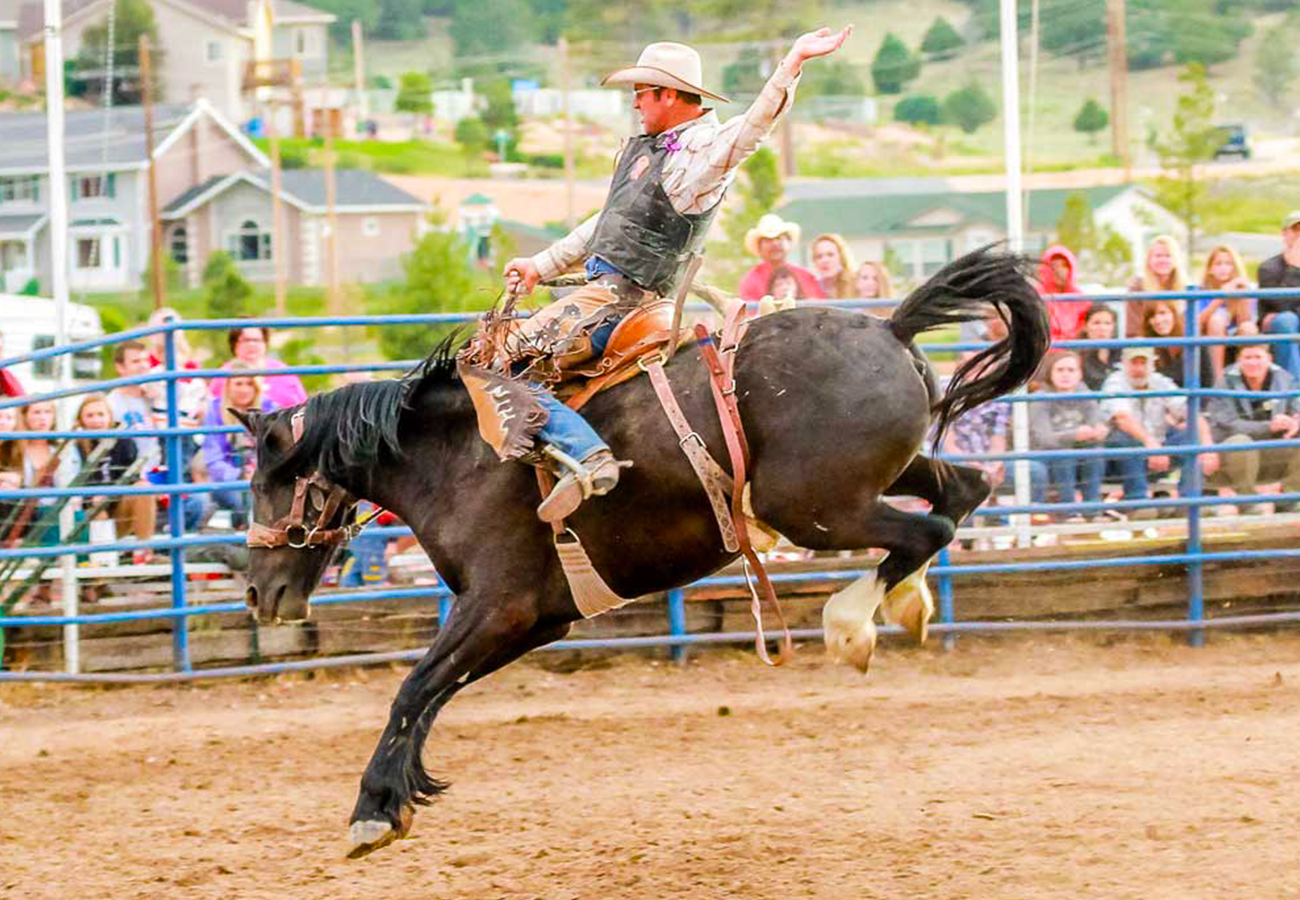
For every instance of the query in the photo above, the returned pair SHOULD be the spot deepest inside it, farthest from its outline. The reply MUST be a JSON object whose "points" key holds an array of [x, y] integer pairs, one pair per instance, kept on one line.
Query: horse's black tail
{"points": [[962, 291]]}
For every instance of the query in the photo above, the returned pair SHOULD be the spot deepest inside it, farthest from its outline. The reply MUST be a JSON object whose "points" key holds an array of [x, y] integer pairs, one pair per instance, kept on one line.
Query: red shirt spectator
{"points": [[1056, 275], [771, 240]]}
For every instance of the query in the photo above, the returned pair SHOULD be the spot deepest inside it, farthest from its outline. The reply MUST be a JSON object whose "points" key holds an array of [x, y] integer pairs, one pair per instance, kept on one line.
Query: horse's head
{"points": [[299, 519]]}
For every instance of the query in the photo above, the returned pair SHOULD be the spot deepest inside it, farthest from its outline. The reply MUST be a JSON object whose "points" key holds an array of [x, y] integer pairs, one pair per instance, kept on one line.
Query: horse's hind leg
{"points": [[480, 638]]}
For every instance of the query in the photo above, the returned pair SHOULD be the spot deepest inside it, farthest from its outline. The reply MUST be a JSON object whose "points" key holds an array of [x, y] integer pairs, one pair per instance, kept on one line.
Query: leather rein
{"points": [[292, 530]]}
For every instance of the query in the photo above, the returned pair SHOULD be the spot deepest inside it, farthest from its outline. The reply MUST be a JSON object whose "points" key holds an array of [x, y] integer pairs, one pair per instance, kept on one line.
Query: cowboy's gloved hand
{"points": [[521, 276], [818, 43]]}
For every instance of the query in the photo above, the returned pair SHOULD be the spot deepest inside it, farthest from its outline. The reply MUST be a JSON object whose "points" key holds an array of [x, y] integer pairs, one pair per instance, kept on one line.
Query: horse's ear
{"points": [[250, 419]]}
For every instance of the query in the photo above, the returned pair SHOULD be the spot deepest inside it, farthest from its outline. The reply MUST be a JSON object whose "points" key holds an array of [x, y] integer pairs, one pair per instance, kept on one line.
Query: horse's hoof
{"points": [[911, 604], [854, 646], [369, 835]]}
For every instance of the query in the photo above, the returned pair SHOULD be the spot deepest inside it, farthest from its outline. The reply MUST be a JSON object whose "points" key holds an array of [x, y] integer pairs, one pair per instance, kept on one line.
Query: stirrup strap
{"points": [[723, 383]]}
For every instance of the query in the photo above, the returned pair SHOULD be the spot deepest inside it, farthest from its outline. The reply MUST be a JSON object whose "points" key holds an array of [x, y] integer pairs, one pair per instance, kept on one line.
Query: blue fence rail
{"points": [[677, 638]]}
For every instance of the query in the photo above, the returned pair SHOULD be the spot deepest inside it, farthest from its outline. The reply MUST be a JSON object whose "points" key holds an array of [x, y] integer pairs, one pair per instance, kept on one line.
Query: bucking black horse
{"points": [[836, 406]]}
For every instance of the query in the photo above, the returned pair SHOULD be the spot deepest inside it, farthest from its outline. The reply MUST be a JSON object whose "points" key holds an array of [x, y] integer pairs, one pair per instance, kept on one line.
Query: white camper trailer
{"points": [[29, 324]]}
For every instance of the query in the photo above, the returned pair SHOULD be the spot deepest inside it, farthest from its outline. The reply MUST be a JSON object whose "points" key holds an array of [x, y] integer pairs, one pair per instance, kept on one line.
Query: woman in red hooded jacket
{"points": [[1056, 276]]}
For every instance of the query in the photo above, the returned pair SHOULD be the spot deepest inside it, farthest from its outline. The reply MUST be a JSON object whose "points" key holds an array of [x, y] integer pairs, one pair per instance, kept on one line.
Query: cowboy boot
{"points": [[594, 476]]}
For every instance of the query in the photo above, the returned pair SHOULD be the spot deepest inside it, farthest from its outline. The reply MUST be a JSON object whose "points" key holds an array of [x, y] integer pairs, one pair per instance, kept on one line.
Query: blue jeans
{"points": [[365, 565], [236, 502], [1068, 475], [1132, 470], [567, 431], [1286, 355]]}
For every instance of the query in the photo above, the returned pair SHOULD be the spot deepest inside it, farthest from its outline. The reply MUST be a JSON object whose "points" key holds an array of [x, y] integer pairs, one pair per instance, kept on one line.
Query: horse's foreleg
{"points": [[477, 641]]}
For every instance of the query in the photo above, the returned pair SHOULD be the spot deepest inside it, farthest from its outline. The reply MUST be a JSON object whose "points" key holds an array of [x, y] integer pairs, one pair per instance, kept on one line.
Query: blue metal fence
{"points": [[1194, 558]]}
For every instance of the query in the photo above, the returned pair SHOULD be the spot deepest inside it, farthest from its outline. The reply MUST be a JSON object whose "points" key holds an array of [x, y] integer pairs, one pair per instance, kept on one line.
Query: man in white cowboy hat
{"points": [[666, 189], [771, 240]]}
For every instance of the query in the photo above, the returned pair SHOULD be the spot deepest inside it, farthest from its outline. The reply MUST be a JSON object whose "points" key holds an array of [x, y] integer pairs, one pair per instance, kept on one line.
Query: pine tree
{"points": [[941, 40], [1091, 119], [894, 66], [969, 108]]}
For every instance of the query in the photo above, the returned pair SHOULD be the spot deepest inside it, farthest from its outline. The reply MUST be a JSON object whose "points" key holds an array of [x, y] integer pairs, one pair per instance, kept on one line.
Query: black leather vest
{"points": [[639, 232]]}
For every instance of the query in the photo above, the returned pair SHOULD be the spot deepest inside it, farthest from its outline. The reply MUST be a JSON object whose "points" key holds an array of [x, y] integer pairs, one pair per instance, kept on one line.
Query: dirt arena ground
{"points": [[1017, 768]]}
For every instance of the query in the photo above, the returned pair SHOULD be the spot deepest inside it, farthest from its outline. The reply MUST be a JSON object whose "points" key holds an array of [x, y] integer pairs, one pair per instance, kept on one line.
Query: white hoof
{"points": [[849, 632], [368, 836], [911, 604]]}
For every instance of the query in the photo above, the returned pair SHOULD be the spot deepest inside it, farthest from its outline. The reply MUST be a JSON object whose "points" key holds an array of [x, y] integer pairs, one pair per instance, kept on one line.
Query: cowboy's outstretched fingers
{"points": [[820, 42]]}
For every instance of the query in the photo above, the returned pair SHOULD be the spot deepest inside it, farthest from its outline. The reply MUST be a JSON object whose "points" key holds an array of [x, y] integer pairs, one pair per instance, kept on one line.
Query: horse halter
{"points": [[292, 530]]}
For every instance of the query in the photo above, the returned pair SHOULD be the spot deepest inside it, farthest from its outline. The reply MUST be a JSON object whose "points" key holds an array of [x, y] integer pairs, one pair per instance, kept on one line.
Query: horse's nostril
{"points": [[250, 597]]}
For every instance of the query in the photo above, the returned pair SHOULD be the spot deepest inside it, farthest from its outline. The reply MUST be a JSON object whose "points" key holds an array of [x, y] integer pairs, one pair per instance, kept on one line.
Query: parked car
{"points": [[1235, 142]]}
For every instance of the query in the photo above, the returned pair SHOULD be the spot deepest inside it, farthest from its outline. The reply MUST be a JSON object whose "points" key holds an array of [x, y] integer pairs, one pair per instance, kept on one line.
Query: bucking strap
{"points": [[717, 483], [722, 381]]}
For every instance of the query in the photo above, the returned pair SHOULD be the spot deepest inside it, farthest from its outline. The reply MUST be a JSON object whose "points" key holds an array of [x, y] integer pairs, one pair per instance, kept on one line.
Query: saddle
{"points": [[642, 333]]}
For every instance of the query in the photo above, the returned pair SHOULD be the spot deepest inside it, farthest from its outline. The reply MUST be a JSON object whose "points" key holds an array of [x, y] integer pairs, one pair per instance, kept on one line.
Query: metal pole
{"points": [[175, 517], [570, 213], [677, 623], [359, 70], [1195, 569], [335, 305], [278, 244], [947, 609], [1015, 237], [59, 272], [155, 236]]}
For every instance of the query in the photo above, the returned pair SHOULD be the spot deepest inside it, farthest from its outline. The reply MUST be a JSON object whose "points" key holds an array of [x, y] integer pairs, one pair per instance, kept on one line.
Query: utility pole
{"points": [[277, 209], [1117, 44], [334, 301], [156, 241], [359, 70], [570, 214]]}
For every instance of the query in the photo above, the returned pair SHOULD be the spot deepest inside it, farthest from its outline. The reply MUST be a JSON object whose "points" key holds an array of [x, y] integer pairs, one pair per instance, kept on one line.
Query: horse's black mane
{"points": [[356, 426]]}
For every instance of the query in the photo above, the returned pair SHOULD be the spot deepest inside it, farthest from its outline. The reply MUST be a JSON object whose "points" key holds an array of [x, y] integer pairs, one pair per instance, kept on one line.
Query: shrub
{"points": [[969, 108], [919, 109]]}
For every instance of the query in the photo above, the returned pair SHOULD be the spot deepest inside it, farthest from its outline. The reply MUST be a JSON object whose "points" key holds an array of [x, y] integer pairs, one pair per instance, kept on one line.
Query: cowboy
{"points": [[667, 187], [772, 241]]}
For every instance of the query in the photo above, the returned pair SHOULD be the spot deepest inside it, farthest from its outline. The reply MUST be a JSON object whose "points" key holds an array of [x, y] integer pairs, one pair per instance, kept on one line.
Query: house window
{"points": [[22, 187], [85, 187], [88, 253], [300, 42], [214, 51], [370, 226], [935, 254], [180, 244], [250, 243]]}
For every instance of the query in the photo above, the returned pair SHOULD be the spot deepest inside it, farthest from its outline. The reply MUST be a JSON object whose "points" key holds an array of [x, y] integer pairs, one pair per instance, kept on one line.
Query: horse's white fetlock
{"points": [[847, 622], [911, 604]]}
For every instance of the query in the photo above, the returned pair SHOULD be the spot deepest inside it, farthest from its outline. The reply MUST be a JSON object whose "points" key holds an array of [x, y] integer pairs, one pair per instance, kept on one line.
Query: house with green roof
{"points": [[924, 225]]}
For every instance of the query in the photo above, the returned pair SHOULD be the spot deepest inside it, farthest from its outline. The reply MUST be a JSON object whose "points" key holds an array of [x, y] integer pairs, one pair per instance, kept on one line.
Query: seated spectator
{"points": [[833, 266], [772, 241], [140, 407], [1056, 275], [872, 283], [1150, 422], [1282, 315], [1241, 420], [9, 383], [783, 286], [191, 393], [1219, 317], [42, 465], [987, 429], [1162, 270], [136, 514], [1162, 321], [230, 457], [1099, 324], [1066, 424], [11, 461], [249, 345]]}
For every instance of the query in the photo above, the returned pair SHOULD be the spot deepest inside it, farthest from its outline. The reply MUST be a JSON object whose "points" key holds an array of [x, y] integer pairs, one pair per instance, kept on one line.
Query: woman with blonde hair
{"points": [[1224, 271], [135, 514], [42, 465], [872, 282], [832, 263], [230, 457], [1162, 270]]}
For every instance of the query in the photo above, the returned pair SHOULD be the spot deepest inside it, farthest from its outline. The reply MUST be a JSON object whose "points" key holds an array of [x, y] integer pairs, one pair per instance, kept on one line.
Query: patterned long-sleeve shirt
{"points": [[694, 177]]}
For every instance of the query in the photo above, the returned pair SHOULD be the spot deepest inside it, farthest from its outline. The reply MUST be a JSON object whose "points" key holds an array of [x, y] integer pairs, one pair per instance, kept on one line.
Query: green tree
{"points": [[745, 75], [131, 19], [756, 191], [226, 295], [969, 108], [1076, 228], [173, 277], [919, 109], [414, 93], [498, 27], [1101, 252], [439, 278], [400, 20], [894, 66], [1191, 141], [1091, 119], [941, 40], [500, 111], [1275, 66], [472, 135]]}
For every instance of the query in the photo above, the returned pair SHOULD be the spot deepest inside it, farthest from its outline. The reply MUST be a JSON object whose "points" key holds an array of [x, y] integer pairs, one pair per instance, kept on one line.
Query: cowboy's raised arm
{"points": [[741, 136]]}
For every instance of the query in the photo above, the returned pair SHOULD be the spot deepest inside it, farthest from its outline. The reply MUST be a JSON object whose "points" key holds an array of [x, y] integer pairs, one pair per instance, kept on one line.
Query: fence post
{"points": [[175, 510], [677, 622], [1195, 569], [947, 611]]}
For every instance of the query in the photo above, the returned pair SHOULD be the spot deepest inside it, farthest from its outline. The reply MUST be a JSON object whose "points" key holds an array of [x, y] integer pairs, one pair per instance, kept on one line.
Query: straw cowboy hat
{"points": [[669, 65], [770, 226]]}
